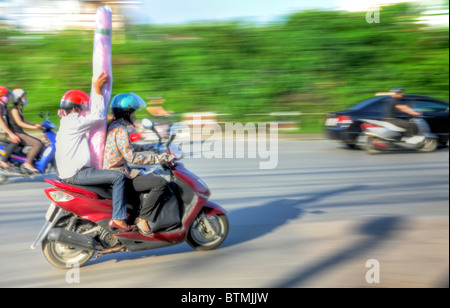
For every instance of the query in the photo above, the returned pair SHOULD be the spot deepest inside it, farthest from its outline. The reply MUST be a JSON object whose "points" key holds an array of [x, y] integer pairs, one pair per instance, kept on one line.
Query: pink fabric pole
{"points": [[101, 62]]}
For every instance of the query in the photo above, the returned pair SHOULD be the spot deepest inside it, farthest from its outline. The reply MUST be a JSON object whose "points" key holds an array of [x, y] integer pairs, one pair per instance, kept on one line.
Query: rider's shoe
{"points": [[121, 225], [30, 169], [142, 226]]}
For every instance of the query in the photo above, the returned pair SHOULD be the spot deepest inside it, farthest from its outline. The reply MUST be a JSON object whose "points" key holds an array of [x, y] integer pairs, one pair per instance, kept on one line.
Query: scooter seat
{"points": [[104, 192]]}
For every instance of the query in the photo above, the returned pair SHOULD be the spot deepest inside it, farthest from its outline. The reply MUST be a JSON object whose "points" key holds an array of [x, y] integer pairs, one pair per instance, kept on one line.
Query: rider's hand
{"points": [[38, 126], [62, 113], [168, 158], [100, 82], [14, 138]]}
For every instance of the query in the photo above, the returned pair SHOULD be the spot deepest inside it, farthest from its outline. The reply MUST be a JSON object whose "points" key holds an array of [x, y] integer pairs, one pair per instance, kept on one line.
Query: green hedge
{"points": [[309, 62]]}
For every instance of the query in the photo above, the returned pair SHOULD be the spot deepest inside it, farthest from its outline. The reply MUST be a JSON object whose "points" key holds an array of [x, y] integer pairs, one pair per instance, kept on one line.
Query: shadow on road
{"points": [[377, 230], [248, 223], [253, 222]]}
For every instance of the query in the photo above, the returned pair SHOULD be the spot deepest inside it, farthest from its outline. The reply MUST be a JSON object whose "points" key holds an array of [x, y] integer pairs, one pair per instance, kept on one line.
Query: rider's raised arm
{"points": [[97, 105]]}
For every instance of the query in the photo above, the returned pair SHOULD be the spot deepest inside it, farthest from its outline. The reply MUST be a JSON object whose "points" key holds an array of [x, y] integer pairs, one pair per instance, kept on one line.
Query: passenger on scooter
{"points": [[17, 123], [119, 153], [72, 155], [395, 104], [5, 97]]}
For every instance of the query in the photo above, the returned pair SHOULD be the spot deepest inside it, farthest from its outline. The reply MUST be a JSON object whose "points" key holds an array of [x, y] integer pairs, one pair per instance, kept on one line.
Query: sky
{"points": [[45, 13], [183, 11]]}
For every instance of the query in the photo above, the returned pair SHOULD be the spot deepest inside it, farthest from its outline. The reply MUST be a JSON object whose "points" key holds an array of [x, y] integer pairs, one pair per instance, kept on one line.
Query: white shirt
{"points": [[72, 143]]}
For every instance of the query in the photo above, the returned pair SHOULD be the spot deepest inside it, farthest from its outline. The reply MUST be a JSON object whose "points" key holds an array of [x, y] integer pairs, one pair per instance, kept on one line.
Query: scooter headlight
{"points": [[176, 151]]}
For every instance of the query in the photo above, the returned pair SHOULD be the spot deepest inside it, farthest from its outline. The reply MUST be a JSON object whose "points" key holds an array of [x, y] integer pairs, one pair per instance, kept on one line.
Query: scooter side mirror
{"points": [[148, 124], [44, 116], [172, 135]]}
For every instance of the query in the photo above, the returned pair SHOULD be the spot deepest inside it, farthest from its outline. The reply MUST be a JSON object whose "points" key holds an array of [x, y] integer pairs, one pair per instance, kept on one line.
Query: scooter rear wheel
{"points": [[370, 147], [63, 256], [200, 238]]}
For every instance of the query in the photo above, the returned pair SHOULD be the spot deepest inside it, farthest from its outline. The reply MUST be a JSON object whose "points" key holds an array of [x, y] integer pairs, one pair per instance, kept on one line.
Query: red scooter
{"points": [[77, 219]]}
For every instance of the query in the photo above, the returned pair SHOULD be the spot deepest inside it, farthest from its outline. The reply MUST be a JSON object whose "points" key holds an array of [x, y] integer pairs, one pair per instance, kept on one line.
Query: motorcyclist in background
{"points": [[17, 123], [395, 104], [5, 98]]}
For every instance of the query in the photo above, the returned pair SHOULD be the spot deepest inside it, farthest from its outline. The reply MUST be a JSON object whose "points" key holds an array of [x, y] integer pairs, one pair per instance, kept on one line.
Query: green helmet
{"points": [[126, 102]]}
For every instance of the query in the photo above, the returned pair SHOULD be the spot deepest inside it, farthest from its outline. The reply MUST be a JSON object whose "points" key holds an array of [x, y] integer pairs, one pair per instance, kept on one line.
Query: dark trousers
{"points": [[154, 186]]}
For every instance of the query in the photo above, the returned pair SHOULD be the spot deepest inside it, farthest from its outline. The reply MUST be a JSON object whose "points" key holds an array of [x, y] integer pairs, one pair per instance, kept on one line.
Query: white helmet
{"points": [[20, 95]]}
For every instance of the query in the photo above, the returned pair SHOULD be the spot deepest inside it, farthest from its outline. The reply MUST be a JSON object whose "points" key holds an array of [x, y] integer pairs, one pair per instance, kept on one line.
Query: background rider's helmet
{"points": [[75, 98], [126, 102], [20, 96], [5, 94]]}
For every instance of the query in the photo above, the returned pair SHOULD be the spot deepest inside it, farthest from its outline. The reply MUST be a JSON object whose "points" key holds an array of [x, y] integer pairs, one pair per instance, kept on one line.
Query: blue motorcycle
{"points": [[44, 162]]}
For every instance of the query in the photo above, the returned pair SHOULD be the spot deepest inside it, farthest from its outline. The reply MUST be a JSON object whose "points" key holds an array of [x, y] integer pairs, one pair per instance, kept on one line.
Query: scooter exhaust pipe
{"points": [[73, 239]]}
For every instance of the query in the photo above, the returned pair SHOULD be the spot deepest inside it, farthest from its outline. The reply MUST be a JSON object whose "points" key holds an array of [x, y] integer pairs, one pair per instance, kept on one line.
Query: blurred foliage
{"points": [[310, 62]]}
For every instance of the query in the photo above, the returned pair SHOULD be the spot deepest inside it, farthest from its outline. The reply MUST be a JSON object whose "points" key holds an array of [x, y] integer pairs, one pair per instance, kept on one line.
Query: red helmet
{"points": [[75, 98], [3, 90], [5, 94]]}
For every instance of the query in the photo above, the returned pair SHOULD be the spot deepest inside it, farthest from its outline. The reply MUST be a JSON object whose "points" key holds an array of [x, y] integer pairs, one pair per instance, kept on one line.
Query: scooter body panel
{"points": [[391, 136], [48, 155], [194, 196]]}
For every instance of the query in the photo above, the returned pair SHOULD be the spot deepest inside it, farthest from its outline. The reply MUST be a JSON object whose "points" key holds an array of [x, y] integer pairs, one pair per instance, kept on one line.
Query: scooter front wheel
{"points": [[209, 234], [429, 145]]}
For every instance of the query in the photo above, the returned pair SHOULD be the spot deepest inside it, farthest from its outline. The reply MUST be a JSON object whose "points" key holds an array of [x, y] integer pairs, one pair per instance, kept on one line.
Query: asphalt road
{"points": [[325, 217]]}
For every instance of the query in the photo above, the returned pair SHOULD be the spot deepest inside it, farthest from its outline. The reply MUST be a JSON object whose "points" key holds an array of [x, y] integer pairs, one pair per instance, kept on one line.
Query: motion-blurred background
{"points": [[294, 65]]}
